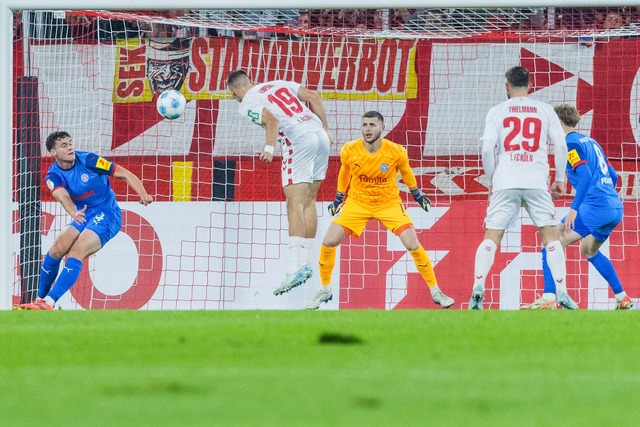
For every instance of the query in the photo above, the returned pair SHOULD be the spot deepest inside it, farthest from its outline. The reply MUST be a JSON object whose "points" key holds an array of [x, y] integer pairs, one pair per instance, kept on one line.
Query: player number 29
{"points": [[525, 130], [288, 103]]}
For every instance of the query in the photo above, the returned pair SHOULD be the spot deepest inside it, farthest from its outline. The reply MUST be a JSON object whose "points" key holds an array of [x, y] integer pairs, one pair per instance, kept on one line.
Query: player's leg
{"points": [[502, 211], [556, 262], [318, 150], [87, 244], [302, 228], [326, 262], [306, 166], [51, 263], [485, 256], [590, 249], [101, 227], [548, 298], [395, 218], [352, 220], [542, 212], [421, 259]]}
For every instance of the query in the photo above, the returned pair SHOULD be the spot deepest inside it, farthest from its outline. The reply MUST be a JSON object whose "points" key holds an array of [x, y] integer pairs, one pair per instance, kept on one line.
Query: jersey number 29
{"points": [[526, 130]]}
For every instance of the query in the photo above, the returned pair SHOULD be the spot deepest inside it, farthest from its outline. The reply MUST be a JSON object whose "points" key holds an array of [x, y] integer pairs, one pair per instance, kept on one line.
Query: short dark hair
{"points": [[55, 137], [236, 76], [517, 76], [373, 115]]}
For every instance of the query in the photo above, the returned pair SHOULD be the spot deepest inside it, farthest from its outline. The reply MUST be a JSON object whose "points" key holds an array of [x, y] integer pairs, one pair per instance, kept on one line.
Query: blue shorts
{"points": [[597, 222], [105, 223]]}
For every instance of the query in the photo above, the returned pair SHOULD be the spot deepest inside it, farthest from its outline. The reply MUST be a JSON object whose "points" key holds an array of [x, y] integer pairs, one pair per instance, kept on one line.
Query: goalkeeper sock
{"points": [[485, 256], [48, 273], [296, 245], [605, 268], [557, 265], [423, 263], [68, 277], [325, 263]]}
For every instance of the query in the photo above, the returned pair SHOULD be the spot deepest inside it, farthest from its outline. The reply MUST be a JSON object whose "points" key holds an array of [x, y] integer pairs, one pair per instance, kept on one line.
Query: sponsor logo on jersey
{"points": [[376, 180], [103, 164], [573, 157], [253, 116]]}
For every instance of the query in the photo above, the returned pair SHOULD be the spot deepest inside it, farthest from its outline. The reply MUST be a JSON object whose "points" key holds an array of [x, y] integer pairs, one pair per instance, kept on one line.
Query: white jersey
{"points": [[515, 144], [281, 99]]}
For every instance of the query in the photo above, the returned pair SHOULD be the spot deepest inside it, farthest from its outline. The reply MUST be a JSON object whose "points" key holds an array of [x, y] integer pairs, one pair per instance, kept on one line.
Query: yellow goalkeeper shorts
{"points": [[354, 217]]}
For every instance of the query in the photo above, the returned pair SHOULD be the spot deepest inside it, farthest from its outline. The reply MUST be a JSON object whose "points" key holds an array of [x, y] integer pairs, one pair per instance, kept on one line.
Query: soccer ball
{"points": [[171, 104]]}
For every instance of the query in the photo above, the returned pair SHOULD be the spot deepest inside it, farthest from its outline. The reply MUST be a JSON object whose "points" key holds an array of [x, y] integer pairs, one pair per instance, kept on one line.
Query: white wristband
{"points": [[268, 149]]}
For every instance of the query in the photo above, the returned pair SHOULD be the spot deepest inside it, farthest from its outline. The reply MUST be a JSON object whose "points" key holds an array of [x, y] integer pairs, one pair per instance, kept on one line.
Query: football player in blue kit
{"points": [[79, 180], [595, 211]]}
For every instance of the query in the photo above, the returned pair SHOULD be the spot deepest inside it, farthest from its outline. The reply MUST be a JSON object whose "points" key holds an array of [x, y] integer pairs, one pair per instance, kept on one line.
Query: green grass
{"points": [[326, 368]]}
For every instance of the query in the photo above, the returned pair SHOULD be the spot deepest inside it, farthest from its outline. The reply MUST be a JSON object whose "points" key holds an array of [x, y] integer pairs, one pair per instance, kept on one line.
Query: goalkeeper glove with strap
{"points": [[336, 205], [424, 202]]}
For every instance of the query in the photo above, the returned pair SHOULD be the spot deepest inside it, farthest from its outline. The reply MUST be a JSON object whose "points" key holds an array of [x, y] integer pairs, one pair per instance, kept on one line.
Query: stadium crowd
{"points": [[89, 28]]}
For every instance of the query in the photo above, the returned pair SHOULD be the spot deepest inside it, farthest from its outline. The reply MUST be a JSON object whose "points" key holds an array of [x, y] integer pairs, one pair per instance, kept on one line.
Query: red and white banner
{"points": [[231, 255]]}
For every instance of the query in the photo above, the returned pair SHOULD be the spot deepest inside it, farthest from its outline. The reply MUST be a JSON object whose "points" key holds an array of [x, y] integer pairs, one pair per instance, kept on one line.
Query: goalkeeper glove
{"points": [[336, 205], [424, 202]]}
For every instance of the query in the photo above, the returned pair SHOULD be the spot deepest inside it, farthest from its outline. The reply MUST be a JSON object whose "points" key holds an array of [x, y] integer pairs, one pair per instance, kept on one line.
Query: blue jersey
{"points": [[591, 174], [87, 182]]}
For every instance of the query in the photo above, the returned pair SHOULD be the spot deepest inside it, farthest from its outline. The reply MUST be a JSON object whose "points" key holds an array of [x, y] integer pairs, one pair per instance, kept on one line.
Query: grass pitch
{"points": [[326, 368]]}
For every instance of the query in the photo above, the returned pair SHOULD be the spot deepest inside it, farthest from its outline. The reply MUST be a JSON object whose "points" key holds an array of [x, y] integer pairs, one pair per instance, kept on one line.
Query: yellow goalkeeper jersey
{"points": [[372, 178]]}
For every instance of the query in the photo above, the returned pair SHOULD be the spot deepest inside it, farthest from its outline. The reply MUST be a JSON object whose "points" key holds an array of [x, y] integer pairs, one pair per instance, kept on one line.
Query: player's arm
{"points": [[410, 181], [489, 139], [582, 188], [272, 127], [316, 105], [62, 195], [134, 182], [560, 153], [613, 174], [488, 161], [344, 179]]}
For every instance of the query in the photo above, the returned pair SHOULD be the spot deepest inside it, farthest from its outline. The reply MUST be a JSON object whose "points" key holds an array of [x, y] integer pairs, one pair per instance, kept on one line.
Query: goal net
{"points": [[216, 235]]}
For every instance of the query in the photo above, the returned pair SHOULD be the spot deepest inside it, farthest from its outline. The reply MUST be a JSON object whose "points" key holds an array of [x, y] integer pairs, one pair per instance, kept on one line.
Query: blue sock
{"points": [[48, 273], [549, 285], [68, 277], [605, 268]]}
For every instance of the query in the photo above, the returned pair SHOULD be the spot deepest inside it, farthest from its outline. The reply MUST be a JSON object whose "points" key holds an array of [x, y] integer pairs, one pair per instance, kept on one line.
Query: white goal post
{"points": [[6, 82]]}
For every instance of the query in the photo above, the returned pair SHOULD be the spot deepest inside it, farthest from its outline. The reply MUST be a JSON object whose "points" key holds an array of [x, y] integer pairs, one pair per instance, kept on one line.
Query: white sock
{"points": [[620, 296], [549, 296], [485, 255], [557, 265], [49, 300], [296, 247], [434, 289], [307, 250]]}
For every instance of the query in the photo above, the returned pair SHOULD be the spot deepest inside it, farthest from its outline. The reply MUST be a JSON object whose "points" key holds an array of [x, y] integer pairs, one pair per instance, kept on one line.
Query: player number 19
{"points": [[288, 103]]}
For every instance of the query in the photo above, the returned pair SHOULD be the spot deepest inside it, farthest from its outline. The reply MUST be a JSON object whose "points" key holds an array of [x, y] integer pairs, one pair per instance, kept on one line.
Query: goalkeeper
{"points": [[369, 170]]}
